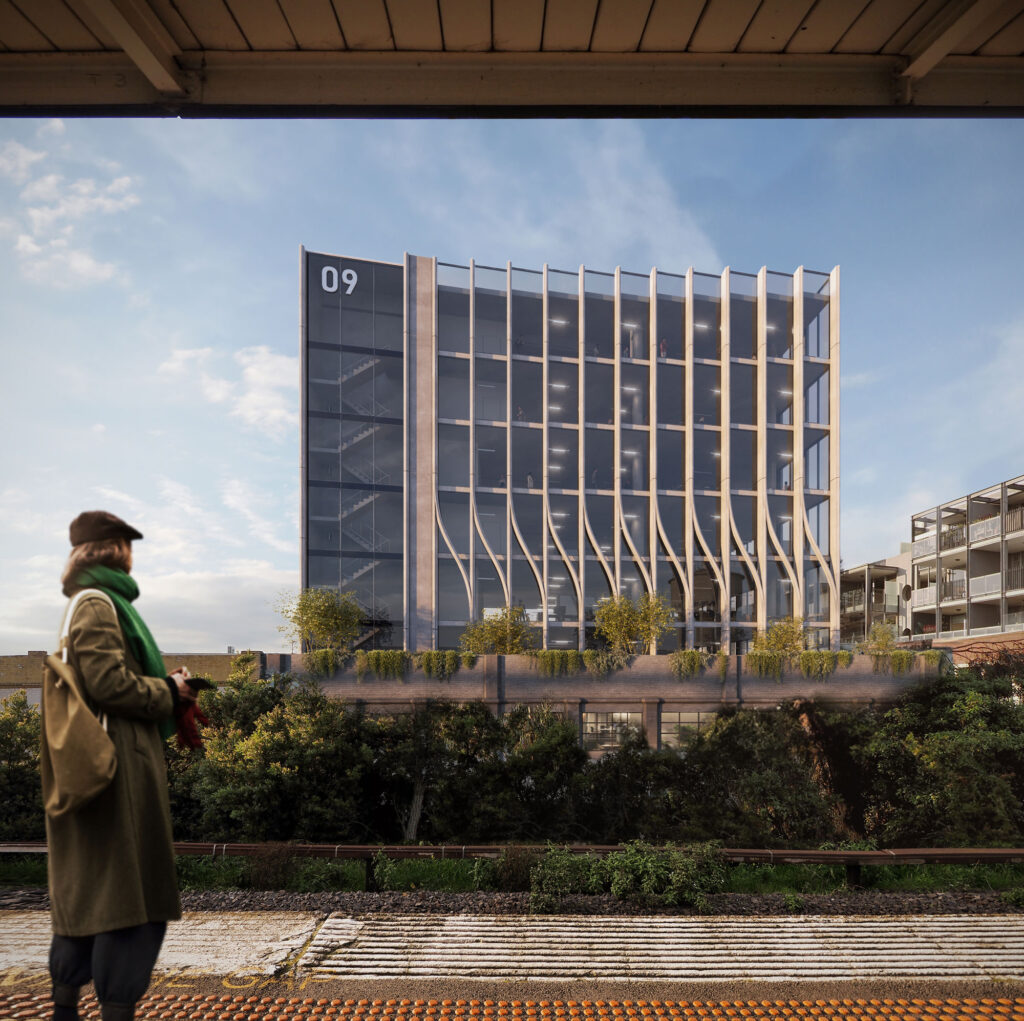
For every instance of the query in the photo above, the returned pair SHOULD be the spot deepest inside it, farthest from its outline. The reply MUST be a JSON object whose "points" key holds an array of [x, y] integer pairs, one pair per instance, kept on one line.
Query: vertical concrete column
{"points": [[833, 452], [724, 460], [761, 453], [303, 428], [799, 524], [652, 720], [688, 455], [420, 457]]}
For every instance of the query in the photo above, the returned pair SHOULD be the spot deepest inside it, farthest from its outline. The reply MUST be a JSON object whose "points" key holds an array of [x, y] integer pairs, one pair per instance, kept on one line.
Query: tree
{"points": [[881, 640], [945, 767], [506, 633], [20, 789], [785, 636], [321, 618], [630, 628]]}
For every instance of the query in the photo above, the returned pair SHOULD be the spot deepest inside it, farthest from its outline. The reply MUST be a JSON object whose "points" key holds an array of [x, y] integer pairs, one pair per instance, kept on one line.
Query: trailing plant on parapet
{"points": [[689, 662], [556, 662], [384, 663], [437, 663], [775, 650]]}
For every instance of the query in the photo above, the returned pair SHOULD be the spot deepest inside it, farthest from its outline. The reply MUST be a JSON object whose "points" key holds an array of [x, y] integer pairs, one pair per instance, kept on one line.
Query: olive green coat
{"points": [[111, 863]]}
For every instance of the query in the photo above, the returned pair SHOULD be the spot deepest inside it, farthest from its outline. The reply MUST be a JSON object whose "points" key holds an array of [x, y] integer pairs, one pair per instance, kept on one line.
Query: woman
{"points": [[113, 885]]}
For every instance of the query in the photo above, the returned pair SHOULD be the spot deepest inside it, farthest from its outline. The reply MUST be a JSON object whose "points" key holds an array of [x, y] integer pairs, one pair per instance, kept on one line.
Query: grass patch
{"points": [[790, 879], [929, 878], [452, 875], [23, 870]]}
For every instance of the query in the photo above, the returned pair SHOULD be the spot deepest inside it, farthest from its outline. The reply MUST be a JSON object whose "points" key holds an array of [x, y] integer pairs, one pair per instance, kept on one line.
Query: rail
{"points": [[851, 860]]}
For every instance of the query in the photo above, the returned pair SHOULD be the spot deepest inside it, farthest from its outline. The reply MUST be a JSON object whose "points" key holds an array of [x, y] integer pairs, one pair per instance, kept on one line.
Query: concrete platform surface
{"points": [[239, 965]]}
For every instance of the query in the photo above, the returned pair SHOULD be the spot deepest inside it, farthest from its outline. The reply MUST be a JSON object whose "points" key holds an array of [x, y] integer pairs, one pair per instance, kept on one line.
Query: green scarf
{"points": [[123, 591]]}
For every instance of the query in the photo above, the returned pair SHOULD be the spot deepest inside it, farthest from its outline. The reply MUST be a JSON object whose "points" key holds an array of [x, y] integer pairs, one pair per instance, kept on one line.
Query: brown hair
{"points": [[106, 552]]}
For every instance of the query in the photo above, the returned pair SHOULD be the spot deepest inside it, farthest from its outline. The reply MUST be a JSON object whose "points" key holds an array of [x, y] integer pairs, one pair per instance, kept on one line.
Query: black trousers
{"points": [[119, 963]]}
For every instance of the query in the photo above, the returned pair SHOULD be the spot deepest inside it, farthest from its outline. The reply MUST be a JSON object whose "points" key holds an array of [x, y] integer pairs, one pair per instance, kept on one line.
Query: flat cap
{"points": [[91, 526]]}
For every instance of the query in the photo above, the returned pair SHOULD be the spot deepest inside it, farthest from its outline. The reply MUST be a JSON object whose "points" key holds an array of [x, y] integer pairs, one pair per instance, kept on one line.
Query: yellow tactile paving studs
{"points": [[171, 1007]]}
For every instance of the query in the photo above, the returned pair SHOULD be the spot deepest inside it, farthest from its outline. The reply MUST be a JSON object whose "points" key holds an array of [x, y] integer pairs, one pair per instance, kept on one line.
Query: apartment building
{"points": [[874, 593], [478, 436], [968, 565]]}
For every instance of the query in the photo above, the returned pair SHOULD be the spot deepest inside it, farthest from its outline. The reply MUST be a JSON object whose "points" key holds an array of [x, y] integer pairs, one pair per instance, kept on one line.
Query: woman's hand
{"points": [[185, 690]]}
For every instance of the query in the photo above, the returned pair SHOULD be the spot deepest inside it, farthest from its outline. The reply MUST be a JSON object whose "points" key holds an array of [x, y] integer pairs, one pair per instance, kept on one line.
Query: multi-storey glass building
{"points": [[478, 436], [968, 565]]}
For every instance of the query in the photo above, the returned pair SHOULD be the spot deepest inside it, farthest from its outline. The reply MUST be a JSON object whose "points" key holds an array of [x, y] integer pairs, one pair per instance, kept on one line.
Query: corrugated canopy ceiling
{"points": [[508, 57]]}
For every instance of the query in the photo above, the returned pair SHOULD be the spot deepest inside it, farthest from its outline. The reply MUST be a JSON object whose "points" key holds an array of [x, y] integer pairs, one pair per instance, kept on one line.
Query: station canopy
{"points": [[511, 57]]}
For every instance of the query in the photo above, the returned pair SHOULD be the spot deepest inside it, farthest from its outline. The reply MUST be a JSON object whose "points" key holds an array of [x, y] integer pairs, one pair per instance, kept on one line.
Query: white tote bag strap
{"points": [[65, 626]]}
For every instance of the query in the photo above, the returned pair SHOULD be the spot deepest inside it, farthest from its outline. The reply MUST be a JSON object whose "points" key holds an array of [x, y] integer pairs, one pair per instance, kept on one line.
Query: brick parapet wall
{"points": [[503, 682]]}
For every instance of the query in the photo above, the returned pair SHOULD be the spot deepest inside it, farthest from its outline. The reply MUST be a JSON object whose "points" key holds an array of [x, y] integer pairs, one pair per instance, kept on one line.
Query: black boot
{"points": [[65, 1002], [117, 1011]]}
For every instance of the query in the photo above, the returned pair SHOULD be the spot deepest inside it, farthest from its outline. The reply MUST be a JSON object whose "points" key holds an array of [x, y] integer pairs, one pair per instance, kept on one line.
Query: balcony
{"points": [[923, 596], [1015, 518], [986, 585], [1015, 577], [924, 547], [985, 529], [953, 537], [954, 590], [1016, 617], [958, 633]]}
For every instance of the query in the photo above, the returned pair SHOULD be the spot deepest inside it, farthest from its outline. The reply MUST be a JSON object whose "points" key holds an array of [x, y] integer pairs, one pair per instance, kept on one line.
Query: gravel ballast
{"points": [[355, 903]]}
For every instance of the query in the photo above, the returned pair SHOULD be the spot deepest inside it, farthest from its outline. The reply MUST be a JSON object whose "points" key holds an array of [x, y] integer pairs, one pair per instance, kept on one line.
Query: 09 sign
{"points": [[329, 279]]}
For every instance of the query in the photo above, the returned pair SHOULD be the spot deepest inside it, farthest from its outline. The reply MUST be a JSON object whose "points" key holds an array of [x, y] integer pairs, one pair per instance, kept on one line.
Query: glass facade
{"points": [[591, 433]]}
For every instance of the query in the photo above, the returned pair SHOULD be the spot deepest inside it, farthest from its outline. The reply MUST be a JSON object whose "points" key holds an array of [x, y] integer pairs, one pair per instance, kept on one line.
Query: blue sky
{"points": [[149, 288]]}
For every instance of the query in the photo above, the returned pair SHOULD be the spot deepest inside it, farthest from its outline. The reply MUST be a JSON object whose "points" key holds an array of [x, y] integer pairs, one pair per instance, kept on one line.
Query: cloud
{"points": [[244, 500], [880, 496], [99, 427], [59, 265], [52, 128], [52, 209], [263, 398], [75, 201], [16, 161], [598, 195], [269, 389]]}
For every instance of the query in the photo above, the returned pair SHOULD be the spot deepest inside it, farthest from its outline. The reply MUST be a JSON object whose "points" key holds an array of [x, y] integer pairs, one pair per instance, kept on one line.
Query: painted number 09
{"points": [[329, 279]]}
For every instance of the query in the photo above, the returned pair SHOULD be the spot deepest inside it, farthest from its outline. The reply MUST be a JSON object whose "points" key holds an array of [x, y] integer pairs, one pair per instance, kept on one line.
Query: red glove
{"points": [[186, 716]]}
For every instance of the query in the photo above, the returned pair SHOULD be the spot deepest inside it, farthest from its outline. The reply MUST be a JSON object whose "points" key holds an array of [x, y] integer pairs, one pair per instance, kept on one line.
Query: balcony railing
{"points": [[923, 596], [954, 589], [985, 585], [1015, 576], [979, 631], [952, 537], [1015, 518], [924, 547], [1015, 617], [985, 529], [957, 633]]}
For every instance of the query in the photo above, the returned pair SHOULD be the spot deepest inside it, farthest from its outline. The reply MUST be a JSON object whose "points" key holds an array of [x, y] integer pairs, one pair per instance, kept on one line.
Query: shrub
{"points": [[672, 876], [901, 660], [513, 868], [723, 664], [555, 662], [793, 903], [936, 659], [560, 873], [630, 627], [468, 660], [20, 789], [484, 874], [844, 658], [385, 871], [438, 663], [1015, 898]]}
